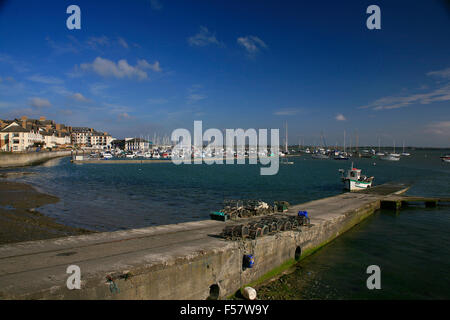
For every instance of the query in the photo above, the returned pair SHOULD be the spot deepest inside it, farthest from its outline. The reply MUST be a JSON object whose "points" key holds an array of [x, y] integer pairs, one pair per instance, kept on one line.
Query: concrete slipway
{"points": [[178, 261]]}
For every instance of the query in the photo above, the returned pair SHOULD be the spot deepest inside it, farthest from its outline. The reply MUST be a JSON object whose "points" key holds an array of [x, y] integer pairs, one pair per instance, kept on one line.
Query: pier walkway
{"points": [[178, 261]]}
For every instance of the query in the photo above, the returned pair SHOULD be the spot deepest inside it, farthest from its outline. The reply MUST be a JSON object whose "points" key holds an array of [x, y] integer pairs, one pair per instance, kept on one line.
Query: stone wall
{"points": [[29, 158]]}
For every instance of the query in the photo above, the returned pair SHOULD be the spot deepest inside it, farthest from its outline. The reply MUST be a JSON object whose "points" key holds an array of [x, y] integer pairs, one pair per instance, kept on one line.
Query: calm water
{"points": [[412, 248]]}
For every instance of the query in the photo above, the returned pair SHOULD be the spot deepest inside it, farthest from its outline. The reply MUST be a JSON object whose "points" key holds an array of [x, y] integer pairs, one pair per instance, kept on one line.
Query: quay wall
{"points": [[198, 269], [29, 158]]}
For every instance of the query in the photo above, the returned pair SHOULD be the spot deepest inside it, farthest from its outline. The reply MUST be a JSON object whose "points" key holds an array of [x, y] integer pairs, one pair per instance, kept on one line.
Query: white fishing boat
{"points": [[354, 181]]}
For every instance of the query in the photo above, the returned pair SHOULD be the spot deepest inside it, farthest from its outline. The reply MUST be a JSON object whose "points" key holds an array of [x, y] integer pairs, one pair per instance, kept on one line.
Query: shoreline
{"points": [[13, 160], [20, 219]]}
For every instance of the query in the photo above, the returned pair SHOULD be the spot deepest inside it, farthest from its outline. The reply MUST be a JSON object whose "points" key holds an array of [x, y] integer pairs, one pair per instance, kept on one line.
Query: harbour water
{"points": [[108, 197], [411, 247]]}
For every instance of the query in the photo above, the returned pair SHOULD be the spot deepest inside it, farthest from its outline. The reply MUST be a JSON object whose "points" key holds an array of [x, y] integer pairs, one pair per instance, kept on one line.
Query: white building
{"points": [[15, 137], [136, 144], [88, 137], [80, 136], [52, 138]]}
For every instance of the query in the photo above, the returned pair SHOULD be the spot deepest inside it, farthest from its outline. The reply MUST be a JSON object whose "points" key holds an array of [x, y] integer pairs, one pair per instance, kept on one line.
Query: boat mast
{"points": [[344, 141], [286, 138], [350, 144]]}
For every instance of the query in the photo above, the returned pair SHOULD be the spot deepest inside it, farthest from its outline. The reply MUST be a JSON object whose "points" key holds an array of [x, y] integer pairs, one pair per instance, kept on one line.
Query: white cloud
{"points": [[395, 102], [194, 97], [45, 79], [286, 112], [441, 128], [122, 42], [251, 44], [121, 69], [444, 73], [40, 102], [79, 97], [143, 64], [441, 92], [203, 38], [340, 117], [94, 42], [123, 116]]}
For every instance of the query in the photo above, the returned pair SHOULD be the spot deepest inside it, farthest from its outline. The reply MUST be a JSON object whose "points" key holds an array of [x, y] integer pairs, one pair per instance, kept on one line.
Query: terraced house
{"points": [[88, 137], [24, 133]]}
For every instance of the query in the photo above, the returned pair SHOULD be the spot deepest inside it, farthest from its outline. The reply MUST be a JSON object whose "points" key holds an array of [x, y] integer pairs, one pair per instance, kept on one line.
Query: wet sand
{"points": [[20, 219]]}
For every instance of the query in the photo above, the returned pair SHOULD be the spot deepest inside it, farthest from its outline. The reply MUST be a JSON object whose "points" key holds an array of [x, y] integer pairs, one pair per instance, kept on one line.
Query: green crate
{"points": [[220, 216]]}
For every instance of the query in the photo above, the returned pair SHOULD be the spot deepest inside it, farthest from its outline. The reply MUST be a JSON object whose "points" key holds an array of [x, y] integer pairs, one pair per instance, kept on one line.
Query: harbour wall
{"points": [[180, 261], [29, 158]]}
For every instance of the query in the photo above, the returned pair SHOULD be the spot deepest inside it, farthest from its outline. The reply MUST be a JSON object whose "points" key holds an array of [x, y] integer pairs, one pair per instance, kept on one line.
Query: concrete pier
{"points": [[179, 261], [395, 202], [20, 159]]}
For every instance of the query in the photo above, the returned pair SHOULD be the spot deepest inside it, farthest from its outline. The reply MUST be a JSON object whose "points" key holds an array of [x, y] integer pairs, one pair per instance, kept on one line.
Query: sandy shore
{"points": [[20, 219]]}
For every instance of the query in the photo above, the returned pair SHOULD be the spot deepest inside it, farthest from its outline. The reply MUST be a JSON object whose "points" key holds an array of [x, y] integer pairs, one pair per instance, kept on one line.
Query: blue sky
{"points": [[139, 67]]}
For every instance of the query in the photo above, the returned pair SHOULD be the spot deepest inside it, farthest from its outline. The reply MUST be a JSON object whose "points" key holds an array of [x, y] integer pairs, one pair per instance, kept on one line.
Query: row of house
{"points": [[25, 134], [88, 137]]}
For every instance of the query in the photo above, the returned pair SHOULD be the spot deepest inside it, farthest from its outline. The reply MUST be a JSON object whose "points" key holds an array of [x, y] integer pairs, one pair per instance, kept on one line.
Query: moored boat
{"points": [[446, 158], [390, 157], [354, 181], [320, 156]]}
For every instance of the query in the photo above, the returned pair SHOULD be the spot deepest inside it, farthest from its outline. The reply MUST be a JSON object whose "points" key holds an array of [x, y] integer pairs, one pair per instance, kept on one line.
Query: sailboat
{"points": [[321, 152], [393, 153], [379, 153], [342, 155], [405, 153], [391, 156], [284, 160]]}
